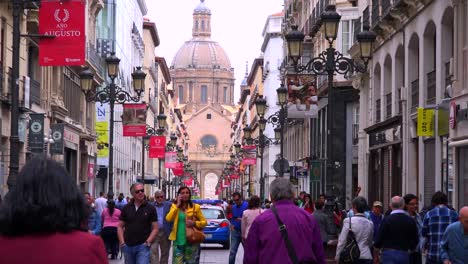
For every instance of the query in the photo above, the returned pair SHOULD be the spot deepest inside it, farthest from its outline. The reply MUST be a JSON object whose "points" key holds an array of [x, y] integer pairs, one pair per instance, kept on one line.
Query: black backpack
{"points": [[350, 253]]}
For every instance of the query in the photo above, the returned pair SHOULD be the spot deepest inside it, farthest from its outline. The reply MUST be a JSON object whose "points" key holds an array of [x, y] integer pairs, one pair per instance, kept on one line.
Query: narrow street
{"points": [[210, 254]]}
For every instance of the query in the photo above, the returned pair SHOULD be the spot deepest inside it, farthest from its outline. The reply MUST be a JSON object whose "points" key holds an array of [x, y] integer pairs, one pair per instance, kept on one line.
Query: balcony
{"points": [[431, 88], [5, 95], [357, 28], [366, 17], [35, 91], [94, 59], [414, 95], [375, 13], [355, 134], [378, 110]]}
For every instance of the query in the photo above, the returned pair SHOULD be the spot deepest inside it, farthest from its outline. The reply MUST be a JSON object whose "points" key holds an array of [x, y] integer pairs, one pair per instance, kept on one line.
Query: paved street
{"points": [[210, 254]]}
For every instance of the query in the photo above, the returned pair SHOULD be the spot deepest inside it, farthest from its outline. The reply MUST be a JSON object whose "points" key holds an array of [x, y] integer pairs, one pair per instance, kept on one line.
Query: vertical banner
{"points": [[315, 170], [170, 160], [134, 120], [157, 147], [57, 136], [66, 21], [179, 169], [250, 155], [189, 182], [90, 170], [225, 183], [102, 132], [36, 133], [425, 122], [234, 176]]}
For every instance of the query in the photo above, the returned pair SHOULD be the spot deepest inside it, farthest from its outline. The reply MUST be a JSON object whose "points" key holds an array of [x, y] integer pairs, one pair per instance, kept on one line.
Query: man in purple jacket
{"points": [[265, 243]]}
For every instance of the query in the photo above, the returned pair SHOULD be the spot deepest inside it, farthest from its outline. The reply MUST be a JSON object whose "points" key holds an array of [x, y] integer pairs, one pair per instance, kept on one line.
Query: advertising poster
{"points": [[170, 160], [425, 122], [36, 133], [250, 155], [102, 132], [157, 147], [134, 120], [57, 136], [66, 21]]}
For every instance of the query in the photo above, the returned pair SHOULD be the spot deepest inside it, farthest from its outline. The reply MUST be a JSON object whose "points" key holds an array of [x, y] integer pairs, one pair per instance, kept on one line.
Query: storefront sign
{"points": [[57, 135], [66, 21], [250, 155], [425, 122], [71, 139], [134, 120], [157, 147], [36, 133]]}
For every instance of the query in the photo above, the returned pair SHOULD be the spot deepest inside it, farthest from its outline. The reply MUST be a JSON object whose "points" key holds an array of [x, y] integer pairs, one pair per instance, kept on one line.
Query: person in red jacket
{"points": [[42, 219]]}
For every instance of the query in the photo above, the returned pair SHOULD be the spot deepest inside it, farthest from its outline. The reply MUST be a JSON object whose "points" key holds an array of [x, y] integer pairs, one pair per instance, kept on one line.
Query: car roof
{"points": [[208, 206]]}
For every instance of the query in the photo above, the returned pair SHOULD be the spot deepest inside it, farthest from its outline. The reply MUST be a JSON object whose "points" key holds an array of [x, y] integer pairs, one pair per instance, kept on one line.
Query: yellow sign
{"points": [[102, 131], [425, 122]]}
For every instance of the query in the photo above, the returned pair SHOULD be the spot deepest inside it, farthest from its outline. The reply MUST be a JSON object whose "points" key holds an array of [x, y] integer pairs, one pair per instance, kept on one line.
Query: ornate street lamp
{"points": [[247, 132], [330, 21], [237, 147], [112, 65], [260, 105], [173, 140], [295, 40], [86, 80], [138, 77], [262, 124], [162, 120], [277, 133], [282, 93]]}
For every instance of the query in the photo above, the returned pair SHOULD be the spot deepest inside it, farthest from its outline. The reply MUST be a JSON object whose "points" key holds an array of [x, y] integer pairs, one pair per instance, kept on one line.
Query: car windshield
{"points": [[213, 213]]}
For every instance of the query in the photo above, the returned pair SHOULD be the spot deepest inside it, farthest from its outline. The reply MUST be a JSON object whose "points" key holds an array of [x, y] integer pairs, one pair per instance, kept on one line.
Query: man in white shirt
{"points": [[101, 203]]}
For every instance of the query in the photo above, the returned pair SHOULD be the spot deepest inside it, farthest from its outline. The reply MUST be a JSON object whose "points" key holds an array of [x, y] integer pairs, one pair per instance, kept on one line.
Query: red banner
{"points": [[66, 21], [250, 155], [90, 170], [226, 183], [234, 176], [189, 182], [179, 169], [134, 120], [170, 160], [157, 147]]}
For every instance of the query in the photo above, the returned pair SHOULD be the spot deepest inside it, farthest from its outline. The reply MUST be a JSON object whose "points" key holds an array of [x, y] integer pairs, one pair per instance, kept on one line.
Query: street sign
{"points": [[277, 164], [301, 173]]}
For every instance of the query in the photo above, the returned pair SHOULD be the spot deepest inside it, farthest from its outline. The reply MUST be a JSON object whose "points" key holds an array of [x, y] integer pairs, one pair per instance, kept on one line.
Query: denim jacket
{"points": [[94, 222]]}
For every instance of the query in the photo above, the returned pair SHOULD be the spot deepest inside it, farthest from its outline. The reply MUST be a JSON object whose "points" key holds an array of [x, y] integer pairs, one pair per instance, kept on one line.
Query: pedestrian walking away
{"points": [[43, 219], [237, 210], [138, 227], [100, 203], [363, 230], [434, 224], [94, 218], [249, 216], [398, 234], [454, 249], [267, 243], [110, 221], [185, 214], [161, 245], [323, 221]]}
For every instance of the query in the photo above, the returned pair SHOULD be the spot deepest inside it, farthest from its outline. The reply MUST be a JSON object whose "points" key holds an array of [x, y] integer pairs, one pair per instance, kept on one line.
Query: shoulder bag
{"points": [[193, 234], [350, 253], [284, 234]]}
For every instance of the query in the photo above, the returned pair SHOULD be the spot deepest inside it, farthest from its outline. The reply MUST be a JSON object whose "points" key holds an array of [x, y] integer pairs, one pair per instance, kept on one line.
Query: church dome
{"points": [[202, 8], [201, 53]]}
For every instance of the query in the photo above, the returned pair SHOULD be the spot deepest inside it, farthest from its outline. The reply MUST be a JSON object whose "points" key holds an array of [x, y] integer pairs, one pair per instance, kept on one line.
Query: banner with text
{"points": [[189, 182], [425, 122], [250, 155], [66, 21], [36, 133], [102, 132], [157, 147], [226, 183], [134, 120], [170, 160], [179, 169], [57, 136]]}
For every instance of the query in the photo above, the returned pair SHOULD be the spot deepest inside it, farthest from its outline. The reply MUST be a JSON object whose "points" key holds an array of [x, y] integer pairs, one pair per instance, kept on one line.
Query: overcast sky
{"points": [[236, 24]]}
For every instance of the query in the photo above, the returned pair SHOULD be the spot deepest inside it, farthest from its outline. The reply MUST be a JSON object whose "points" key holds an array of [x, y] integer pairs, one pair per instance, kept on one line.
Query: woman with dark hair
{"points": [[184, 214], [249, 216], [110, 221], [45, 211], [308, 203]]}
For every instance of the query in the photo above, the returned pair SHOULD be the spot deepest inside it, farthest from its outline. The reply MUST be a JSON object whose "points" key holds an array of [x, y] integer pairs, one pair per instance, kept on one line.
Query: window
{"points": [[204, 94], [378, 110], [196, 25], [225, 94], [208, 116], [191, 91], [181, 94], [208, 141], [203, 24], [346, 36]]}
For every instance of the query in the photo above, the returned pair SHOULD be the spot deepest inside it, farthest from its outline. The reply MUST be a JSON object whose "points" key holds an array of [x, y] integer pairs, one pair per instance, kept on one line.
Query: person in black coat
{"points": [[398, 234]]}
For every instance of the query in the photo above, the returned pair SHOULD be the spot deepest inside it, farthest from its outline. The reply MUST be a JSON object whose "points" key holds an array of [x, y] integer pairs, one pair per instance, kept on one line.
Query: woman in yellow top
{"points": [[184, 213]]}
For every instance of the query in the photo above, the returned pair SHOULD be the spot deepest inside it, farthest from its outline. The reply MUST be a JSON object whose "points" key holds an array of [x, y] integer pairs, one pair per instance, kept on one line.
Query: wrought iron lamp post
{"points": [[331, 61], [112, 94], [150, 131]]}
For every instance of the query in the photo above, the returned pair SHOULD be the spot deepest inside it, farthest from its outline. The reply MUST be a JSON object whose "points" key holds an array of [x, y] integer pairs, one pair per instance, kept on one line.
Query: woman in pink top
{"points": [[249, 216], [110, 220]]}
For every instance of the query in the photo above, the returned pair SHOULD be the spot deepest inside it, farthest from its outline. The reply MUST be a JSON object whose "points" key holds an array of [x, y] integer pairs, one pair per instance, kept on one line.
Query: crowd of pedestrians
{"points": [[46, 210]]}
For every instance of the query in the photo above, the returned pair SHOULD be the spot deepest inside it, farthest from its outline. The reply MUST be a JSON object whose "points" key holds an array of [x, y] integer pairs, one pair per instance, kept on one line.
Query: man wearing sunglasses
{"points": [[138, 227], [161, 241]]}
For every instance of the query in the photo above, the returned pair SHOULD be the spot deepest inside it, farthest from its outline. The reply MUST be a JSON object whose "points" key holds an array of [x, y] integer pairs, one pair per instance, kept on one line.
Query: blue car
{"points": [[217, 229]]}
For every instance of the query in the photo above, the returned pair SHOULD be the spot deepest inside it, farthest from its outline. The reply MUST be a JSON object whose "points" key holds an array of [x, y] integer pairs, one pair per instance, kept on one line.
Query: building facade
{"points": [[203, 83]]}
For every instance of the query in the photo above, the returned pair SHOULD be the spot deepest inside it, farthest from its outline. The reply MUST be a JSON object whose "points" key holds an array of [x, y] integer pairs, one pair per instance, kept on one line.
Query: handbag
{"points": [[193, 234], [351, 252]]}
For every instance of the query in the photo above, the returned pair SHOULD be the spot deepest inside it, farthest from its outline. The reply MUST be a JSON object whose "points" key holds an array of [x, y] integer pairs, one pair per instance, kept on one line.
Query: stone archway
{"points": [[209, 186]]}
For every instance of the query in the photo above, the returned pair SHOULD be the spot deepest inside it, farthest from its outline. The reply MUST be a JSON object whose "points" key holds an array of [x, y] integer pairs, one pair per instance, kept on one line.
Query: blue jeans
{"points": [[236, 239], [139, 254], [395, 257]]}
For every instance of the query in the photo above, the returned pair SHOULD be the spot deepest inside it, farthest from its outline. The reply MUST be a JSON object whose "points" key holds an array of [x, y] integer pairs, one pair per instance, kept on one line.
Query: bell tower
{"points": [[201, 21]]}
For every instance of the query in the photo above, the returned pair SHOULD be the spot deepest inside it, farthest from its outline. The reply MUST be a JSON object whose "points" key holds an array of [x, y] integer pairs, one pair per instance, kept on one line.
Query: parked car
{"points": [[217, 229]]}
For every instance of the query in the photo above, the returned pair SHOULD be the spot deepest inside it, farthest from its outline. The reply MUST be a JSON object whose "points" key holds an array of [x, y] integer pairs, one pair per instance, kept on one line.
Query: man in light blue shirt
{"points": [[454, 249], [162, 242]]}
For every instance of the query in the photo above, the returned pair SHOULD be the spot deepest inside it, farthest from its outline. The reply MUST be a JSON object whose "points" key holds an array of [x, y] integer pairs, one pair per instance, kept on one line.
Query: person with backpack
{"points": [[355, 240]]}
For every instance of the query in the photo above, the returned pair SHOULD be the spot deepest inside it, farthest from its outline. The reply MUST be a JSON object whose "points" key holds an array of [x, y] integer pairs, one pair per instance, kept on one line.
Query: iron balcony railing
{"points": [[375, 12], [366, 17], [35, 91], [388, 105], [357, 28], [386, 6], [378, 110]]}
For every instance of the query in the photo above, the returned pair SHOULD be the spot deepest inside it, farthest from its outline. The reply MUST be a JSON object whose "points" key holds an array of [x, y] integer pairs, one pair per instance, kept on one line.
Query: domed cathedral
{"points": [[203, 83]]}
